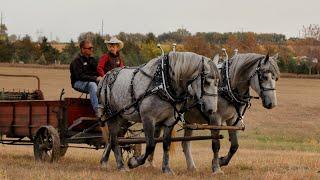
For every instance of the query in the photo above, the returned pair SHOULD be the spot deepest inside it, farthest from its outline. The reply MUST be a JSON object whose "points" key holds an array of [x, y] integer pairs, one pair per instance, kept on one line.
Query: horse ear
{"points": [[266, 59], [275, 57], [216, 59]]}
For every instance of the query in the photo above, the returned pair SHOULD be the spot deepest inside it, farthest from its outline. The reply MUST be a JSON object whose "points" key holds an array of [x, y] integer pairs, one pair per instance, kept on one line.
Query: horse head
{"points": [[205, 86], [263, 80]]}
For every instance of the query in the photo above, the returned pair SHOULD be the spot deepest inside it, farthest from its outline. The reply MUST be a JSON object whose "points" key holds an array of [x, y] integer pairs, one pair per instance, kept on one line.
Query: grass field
{"points": [[282, 143]]}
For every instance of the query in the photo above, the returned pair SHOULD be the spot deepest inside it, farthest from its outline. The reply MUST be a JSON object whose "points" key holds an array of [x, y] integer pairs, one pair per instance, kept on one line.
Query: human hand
{"points": [[99, 78]]}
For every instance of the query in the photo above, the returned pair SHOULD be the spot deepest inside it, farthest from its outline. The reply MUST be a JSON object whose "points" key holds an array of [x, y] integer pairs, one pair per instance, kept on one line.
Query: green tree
{"points": [[26, 50], [6, 51], [149, 51], [51, 54], [292, 66], [68, 53], [3, 32], [176, 36]]}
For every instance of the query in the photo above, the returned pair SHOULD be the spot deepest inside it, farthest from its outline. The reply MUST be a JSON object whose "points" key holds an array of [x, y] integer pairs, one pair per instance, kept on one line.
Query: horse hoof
{"points": [[104, 166], [133, 163], [149, 164], [192, 169], [218, 172], [168, 171], [123, 169]]}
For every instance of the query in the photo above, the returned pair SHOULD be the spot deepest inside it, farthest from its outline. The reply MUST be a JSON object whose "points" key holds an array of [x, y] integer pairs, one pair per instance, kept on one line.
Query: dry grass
{"points": [[283, 143]]}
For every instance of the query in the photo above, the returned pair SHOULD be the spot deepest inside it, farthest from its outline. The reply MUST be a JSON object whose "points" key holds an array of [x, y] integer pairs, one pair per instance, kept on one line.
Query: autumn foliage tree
{"points": [[198, 45]]}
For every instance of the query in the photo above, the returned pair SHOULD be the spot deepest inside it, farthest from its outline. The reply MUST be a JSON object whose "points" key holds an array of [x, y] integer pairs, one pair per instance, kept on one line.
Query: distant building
{"points": [[60, 46]]}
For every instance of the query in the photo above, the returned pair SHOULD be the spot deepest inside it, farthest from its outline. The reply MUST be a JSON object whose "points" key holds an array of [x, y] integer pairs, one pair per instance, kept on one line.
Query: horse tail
{"points": [[173, 144]]}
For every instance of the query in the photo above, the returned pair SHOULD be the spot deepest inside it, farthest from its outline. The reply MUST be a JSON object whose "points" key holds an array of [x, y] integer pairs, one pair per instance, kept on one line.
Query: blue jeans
{"points": [[88, 88]]}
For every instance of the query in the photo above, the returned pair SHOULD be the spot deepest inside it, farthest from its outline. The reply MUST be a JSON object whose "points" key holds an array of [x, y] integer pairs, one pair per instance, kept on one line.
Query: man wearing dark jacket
{"points": [[84, 75]]}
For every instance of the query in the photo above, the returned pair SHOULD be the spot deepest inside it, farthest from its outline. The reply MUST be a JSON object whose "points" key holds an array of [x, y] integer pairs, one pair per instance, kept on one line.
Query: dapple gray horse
{"points": [[184, 69], [246, 70]]}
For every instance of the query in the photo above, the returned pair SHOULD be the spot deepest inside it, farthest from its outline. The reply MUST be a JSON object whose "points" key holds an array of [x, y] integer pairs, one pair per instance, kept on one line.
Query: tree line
{"points": [[297, 55]]}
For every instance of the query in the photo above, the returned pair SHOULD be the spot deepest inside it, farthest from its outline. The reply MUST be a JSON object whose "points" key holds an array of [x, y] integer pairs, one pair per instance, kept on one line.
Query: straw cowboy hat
{"points": [[115, 40]]}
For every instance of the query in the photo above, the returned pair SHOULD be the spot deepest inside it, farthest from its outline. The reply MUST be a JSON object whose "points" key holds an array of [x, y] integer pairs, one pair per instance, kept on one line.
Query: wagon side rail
{"points": [[30, 76]]}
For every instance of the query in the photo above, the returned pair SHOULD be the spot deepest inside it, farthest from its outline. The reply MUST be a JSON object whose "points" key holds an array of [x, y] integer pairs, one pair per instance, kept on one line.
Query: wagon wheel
{"points": [[47, 144]]}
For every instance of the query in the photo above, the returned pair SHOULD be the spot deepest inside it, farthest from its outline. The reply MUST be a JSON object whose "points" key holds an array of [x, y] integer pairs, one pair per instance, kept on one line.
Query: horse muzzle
{"points": [[267, 103]]}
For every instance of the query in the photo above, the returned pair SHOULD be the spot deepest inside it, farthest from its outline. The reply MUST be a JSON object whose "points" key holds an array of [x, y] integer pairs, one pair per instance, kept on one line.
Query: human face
{"points": [[114, 48], [87, 49]]}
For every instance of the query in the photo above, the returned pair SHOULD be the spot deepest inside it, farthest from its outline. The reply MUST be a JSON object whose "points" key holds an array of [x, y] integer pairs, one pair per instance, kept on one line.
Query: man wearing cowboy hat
{"points": [[112, 58]]}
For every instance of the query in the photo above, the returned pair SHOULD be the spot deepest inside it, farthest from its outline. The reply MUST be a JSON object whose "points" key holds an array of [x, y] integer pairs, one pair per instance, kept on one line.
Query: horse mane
{"points": [[181, 63], [241, 62], [188, 62]]}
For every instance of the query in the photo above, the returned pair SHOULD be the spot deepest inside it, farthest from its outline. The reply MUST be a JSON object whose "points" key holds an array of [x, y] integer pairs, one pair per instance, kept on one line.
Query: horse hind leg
{"points": [[149, 129], [186, 145], [166, 147], [233, 148]]}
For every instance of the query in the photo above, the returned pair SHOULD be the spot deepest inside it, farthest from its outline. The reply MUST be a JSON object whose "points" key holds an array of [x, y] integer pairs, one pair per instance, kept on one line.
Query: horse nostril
{"points": [[210, 111], [269, 106]]}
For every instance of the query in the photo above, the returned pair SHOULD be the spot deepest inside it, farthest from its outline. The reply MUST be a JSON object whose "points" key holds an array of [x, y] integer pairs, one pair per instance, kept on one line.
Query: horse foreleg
{"points": [[186, 145], [166, 147], [151, 156], [233, 148], [216, 148], [149, 128], [107, 149], [115, 146], [105, 155]]}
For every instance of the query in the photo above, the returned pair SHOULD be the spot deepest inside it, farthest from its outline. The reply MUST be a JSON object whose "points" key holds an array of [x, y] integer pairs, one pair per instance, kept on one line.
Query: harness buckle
{"points": [[181, 116], [242, 124]]}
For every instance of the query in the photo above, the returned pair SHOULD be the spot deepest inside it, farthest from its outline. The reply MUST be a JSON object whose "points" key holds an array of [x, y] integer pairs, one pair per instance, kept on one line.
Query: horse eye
{"points": [[206, 82], [264, 78]]}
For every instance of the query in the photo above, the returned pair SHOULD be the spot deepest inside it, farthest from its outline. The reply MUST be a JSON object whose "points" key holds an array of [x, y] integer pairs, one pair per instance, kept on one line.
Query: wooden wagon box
{"points": [[24, 118]]}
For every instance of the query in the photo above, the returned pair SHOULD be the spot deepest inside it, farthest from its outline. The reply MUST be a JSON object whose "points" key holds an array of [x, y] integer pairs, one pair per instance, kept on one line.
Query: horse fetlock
{"points": [[223, 161]]}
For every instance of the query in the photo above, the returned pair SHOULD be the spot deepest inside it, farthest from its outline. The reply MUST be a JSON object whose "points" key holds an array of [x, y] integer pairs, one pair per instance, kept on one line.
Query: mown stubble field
{"points": [[282, 143]]}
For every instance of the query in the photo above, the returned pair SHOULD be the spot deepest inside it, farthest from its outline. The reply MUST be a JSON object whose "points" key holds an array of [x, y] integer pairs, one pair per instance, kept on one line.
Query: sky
{"points": [[66, 19]]}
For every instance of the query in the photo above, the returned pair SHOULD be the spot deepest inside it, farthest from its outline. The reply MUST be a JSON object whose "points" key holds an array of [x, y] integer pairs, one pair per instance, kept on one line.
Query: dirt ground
{"points": [[282, 143]]}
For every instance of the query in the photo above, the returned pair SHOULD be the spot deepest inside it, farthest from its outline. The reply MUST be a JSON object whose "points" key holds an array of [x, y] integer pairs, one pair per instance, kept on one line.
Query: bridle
{"points": [[259, 72], [203, 77]]}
